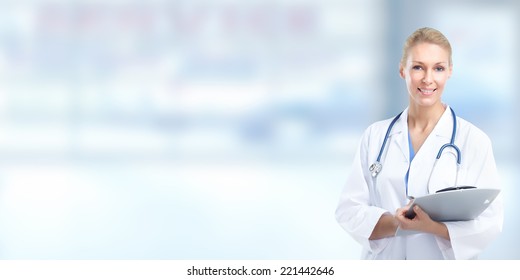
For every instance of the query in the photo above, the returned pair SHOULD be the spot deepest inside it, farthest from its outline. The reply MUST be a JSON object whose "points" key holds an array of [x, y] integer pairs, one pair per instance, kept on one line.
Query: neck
{"points": [[424, 118]]}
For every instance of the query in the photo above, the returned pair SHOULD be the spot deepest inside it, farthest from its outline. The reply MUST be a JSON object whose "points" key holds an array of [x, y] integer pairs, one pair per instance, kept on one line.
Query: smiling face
{"points": [[426, 70]]}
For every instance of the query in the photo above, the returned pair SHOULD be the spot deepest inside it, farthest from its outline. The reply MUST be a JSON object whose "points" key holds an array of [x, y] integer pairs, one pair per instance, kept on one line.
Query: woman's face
{"points": [[426, 71]]}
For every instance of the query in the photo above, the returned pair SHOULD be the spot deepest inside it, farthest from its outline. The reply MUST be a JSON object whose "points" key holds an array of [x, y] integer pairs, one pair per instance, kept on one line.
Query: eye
{"points": [[417, 67], [439, 68]]}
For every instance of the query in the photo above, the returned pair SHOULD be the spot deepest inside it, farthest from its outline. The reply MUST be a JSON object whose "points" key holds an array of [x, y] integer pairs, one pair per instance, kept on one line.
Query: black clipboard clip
{"points": [[455, 188]]}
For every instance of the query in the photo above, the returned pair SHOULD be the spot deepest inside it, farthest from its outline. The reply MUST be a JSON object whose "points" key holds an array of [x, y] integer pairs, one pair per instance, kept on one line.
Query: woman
{"points": [[367, 207]]}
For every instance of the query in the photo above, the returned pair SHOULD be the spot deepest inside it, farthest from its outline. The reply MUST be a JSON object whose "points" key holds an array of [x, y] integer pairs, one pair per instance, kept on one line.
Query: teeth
{"points": [[427, 90]]}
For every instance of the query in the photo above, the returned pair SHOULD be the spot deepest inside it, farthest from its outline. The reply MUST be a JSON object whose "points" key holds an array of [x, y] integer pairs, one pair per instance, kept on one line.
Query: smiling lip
{"points": [[427, 91]]}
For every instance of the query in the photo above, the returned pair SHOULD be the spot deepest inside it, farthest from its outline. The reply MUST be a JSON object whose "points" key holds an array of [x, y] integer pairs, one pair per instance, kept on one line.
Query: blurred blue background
{"points": [[221, 129]]}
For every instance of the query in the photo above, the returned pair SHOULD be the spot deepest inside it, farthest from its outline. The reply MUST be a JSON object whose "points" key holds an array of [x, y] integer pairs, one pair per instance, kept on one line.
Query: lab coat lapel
{"points": [[400, 134], [443, 175], [439, 136], [424, 159], [444, 127]]}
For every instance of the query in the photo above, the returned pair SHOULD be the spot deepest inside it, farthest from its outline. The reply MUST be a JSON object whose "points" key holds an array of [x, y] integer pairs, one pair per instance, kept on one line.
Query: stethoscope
{"points": [[377, 166]]}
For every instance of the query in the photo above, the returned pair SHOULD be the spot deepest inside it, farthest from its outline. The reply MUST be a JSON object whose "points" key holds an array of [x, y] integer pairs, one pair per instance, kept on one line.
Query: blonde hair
{"points": [[425, 35]]}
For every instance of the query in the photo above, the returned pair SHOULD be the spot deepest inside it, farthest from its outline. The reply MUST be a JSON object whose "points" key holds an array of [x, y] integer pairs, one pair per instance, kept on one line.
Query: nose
{"points": [[427, 79]]}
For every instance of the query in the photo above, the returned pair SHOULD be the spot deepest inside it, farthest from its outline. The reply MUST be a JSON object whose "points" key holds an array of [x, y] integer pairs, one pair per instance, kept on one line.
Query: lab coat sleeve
{"points": [[354, 212], [469, 238]]}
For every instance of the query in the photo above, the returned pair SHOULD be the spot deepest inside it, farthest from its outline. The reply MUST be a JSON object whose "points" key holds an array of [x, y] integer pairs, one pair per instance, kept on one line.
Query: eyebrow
{"points": [[419, 62]]}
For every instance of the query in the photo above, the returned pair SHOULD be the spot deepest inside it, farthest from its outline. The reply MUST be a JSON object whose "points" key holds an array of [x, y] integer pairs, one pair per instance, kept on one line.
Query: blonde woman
{"points": [[372, 193]]}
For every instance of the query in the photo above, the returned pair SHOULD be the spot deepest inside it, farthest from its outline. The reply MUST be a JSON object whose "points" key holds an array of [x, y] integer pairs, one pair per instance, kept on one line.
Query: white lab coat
{"points": [[364, 199]]}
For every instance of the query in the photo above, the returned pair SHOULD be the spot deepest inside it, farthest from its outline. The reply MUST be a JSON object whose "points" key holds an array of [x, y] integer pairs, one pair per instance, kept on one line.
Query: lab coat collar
{"points": [[400, 134], [443, 129]]}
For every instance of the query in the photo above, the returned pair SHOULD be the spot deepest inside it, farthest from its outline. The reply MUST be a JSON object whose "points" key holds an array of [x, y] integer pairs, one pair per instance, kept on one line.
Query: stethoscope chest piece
{"points": [[375, 168]]}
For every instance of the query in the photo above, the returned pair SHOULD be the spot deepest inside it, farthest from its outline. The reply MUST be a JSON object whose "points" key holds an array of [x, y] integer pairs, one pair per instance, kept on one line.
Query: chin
{"points": [[426, 101], [429, 103]]}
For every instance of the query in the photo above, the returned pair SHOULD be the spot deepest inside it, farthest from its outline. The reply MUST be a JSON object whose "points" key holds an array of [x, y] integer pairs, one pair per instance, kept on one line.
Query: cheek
{"points": [[414, 78], [441, 80], [409, 82], [441, 77]]}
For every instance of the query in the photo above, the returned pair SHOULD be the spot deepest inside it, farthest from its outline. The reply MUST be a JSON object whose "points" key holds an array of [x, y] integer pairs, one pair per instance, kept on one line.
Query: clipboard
{"points": [[459, 204]]}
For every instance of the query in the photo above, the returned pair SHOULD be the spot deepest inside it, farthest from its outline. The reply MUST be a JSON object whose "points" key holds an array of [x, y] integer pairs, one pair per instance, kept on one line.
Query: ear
{"points": [[451, 71], [401, 70]]}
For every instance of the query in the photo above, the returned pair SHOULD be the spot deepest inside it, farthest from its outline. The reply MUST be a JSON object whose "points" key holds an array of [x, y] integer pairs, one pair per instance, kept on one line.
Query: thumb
{"points": [[419, 211]]}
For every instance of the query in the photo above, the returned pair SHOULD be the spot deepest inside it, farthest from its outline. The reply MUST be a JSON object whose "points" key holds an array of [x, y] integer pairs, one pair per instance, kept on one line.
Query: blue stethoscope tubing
{"points": [[377, 166]]}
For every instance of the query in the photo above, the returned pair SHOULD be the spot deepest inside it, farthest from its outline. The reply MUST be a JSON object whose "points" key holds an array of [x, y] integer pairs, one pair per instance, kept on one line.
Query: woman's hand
{"points": [[421, 222]]}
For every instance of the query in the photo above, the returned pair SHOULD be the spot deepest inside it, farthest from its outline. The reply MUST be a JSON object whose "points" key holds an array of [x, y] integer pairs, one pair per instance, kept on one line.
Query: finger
{"points": [[420, 212]]}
